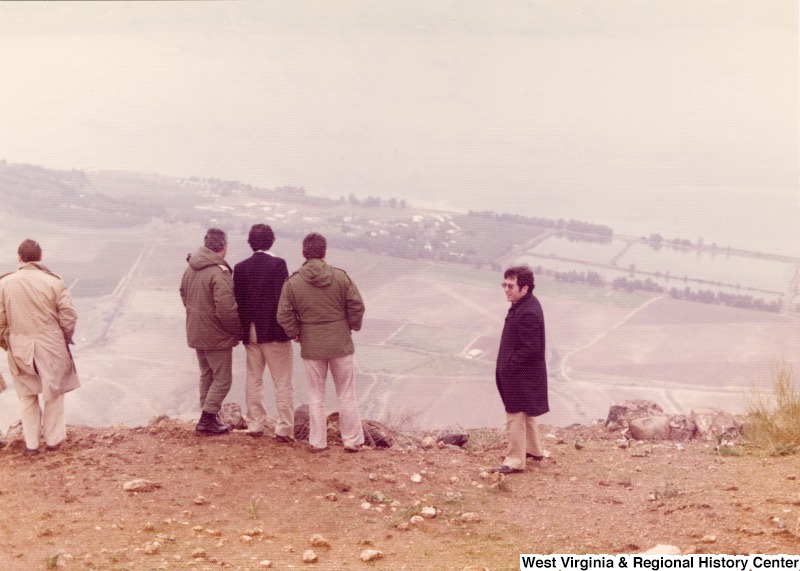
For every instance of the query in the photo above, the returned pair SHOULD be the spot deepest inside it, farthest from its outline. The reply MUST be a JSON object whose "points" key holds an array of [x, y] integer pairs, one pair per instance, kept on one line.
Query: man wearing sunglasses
{"points": [[521, 373]]}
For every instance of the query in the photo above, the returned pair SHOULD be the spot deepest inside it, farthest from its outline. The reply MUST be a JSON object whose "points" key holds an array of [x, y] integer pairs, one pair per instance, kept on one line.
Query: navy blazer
{"points": [[257, 283], [521, 373]]}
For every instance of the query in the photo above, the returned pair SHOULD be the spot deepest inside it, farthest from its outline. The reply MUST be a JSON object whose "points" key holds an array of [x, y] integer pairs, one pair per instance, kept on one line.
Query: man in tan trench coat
{"points": [[37, 322]]}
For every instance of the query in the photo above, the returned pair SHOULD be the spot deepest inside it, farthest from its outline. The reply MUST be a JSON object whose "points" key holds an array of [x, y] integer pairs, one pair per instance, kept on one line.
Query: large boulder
{"points": [[681, 428], [452, 436], [650, 428], [621, 414], [714, 424]]}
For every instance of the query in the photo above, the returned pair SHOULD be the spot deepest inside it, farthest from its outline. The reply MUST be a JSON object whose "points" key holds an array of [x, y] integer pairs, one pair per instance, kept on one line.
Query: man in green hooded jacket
{"points": [[319, 307]]}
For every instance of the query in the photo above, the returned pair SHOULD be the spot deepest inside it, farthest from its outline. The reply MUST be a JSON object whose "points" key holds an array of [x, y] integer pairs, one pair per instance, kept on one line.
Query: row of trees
{"points": [[557, 224], [648, 285]]}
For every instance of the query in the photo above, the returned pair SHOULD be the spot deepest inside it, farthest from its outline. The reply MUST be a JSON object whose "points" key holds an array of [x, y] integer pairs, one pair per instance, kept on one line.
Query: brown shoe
{"points": [[315, 450], [285, 439], [30, 452]]}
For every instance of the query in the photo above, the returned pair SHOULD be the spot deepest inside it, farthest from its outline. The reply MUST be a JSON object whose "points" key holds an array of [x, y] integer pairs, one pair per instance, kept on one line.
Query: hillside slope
{"points": [[236, 502]]}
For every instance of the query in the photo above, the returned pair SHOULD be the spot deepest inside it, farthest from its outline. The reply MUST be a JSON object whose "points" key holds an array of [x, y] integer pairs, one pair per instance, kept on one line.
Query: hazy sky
{"points": [[409, 98]]}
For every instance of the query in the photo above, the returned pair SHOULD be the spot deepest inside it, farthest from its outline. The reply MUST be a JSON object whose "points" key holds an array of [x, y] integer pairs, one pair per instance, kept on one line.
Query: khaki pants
{"points": [[523, 437], [216, 377], [51, 420], [278, 357], [344, 383]]}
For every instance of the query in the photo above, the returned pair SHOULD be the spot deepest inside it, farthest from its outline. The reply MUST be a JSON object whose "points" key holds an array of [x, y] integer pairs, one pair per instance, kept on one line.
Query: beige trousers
{"points": [[344, 383], [279, 358], [34, 420], [523, 437]]}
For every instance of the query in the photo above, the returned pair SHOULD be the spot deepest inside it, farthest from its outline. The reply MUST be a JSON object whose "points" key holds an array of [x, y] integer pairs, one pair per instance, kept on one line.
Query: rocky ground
{"points": [[238, 502]]}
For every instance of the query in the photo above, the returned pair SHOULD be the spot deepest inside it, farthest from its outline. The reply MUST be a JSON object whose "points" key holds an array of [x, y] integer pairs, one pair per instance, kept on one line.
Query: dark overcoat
{"points": [[521, 372], [257, 282]]}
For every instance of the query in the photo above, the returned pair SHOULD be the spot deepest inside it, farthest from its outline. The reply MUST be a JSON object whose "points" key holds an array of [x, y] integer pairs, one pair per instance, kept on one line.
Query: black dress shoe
{"points": [[30, 452], [505, 470], [210, 424], [532, 457]]}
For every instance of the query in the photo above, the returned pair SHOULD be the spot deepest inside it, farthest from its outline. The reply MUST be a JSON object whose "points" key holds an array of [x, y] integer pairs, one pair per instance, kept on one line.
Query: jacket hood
{"points": [[203, 258], [316, 272]]}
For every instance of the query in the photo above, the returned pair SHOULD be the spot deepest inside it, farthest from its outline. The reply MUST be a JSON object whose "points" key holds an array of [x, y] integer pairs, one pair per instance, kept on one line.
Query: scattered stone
{"points": [[151, 548], [373, 476], [390, 478], [231, 414], [310, 557], [149, 527], [140, 485], [213, 532], [428, 512], [200, 500], [416, 478], [403, 526], [199, 553], [197, 528], [265, 563], [484, 475], [246, 539], [366, 505], [709, 539], [470, 517], [318, 540], [416, 520], [579, 444], [331, 497], [428, 442], [253, 532], [371, 555]]}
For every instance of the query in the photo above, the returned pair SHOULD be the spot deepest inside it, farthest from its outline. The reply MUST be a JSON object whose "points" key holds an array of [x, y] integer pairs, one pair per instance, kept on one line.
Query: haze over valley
{"points": [[430, 283]]}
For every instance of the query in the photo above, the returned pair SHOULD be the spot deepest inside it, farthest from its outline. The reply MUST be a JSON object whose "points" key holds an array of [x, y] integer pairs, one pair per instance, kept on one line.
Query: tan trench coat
{"points": [[37, 322]]}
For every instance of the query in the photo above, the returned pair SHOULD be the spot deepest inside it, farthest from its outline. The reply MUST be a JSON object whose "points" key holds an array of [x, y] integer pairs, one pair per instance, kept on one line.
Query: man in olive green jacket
{"points": [[212, 324], [319, 307]]}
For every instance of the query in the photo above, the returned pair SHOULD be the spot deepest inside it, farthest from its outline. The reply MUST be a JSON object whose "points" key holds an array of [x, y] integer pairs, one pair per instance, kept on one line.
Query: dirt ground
{"points": [[238, 502]]}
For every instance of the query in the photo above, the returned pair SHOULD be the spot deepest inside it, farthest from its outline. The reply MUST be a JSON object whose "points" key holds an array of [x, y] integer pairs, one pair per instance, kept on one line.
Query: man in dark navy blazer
{"points": [[521, 373], [257, 283]]}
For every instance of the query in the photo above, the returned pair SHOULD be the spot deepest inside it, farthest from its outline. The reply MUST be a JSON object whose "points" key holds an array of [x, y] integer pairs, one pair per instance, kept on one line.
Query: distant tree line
{"points": [[557, 224], [648, 285]]}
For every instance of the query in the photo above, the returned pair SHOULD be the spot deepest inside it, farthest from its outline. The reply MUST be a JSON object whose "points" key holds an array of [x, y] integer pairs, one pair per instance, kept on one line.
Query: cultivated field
{"points": [[429, 340]]}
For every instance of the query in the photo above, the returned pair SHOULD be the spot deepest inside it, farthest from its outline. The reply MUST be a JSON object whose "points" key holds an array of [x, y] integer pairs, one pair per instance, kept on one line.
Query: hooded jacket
{"points": [[321, 305], [37, 322], [212, 317]]}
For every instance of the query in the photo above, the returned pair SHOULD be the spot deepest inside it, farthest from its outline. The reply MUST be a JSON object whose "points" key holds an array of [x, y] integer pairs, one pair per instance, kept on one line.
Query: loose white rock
{"points": [[309, 556], [371, 555], [416, 478]]}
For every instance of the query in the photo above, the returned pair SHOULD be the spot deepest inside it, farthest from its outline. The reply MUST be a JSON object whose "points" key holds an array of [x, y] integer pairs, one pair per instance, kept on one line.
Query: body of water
{"points": [[766, 220]]}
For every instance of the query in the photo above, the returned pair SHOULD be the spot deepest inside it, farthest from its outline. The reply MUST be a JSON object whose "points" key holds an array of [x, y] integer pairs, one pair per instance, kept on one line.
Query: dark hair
{"points": [[215, 240], [30, 251], [314, 246], [261, 237], [523, 274]]}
